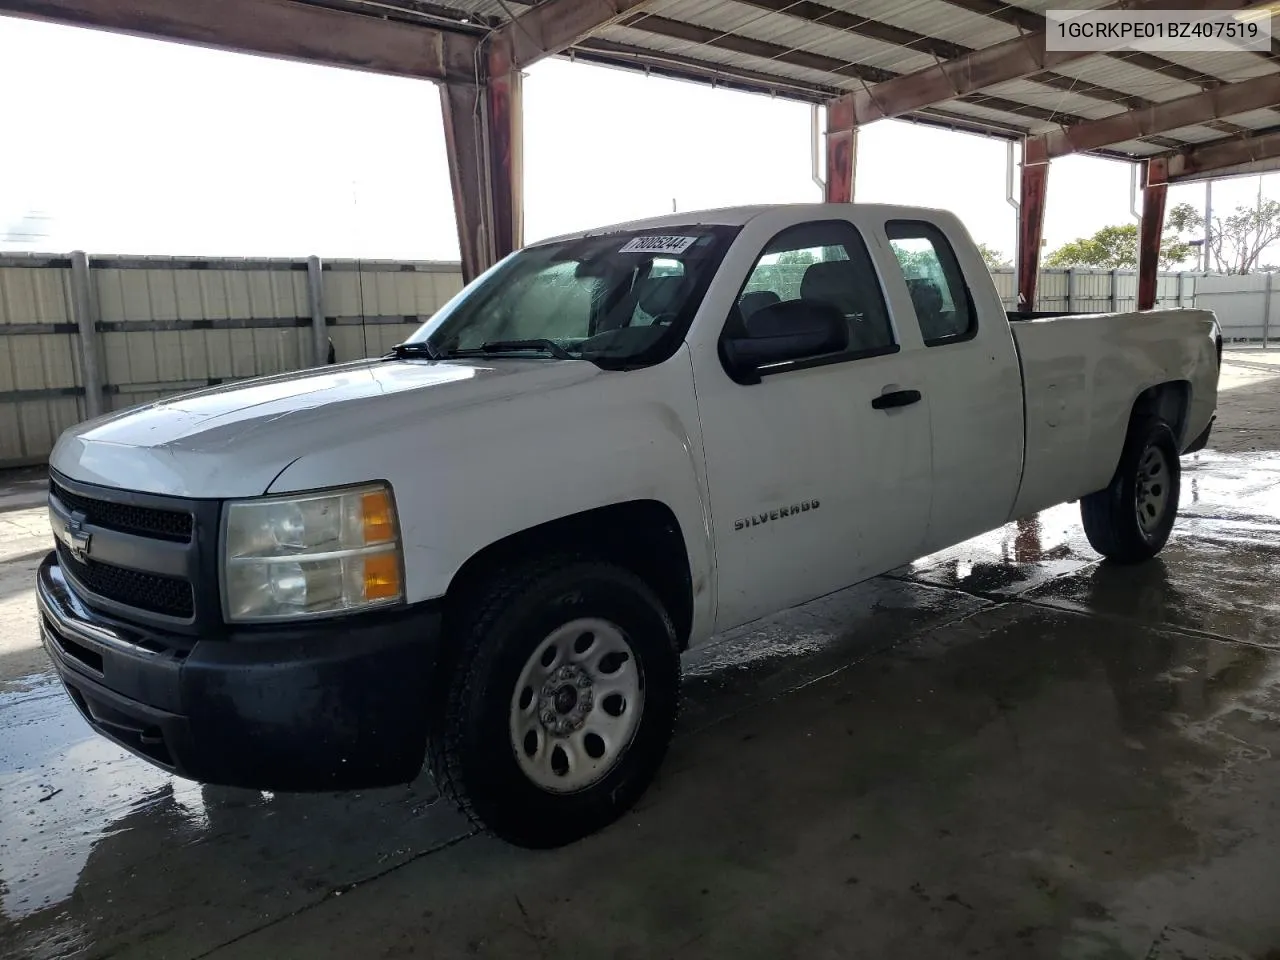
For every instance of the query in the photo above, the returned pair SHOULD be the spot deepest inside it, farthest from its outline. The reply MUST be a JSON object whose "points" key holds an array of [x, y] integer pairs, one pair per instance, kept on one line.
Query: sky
{"points": [[123, 145]]}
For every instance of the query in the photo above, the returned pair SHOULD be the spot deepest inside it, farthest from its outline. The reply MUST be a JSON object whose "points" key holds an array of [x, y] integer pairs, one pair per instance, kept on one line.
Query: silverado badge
{"points": [[778, 513]]}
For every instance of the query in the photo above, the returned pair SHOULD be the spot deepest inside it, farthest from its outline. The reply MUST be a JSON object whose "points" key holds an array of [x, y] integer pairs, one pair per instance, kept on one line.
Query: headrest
{"points": [[659, 295], [925, 297], [835, 282], [757, 300]]}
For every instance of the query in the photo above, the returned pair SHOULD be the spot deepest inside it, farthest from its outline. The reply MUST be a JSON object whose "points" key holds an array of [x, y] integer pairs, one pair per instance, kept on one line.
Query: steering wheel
{"points": [[663, 319]]}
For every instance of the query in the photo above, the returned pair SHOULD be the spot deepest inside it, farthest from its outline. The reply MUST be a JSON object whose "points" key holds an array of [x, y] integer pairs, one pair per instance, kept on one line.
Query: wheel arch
{"points": [[1169, 401], [643, 536]]}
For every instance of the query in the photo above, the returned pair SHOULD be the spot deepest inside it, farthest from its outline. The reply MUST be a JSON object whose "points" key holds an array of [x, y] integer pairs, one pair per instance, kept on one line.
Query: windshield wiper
{"points": [[420, 348], [540, 343]]}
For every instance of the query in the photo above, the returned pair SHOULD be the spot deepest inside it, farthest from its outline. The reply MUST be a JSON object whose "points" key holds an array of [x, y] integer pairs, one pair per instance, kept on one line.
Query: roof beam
{"points": [[680, 30], [272, 28], [813, 12], [1220, 157], [1010, 60], [955, 78], [763, 49], [556, 25], [1200, 108], [678, 67]]}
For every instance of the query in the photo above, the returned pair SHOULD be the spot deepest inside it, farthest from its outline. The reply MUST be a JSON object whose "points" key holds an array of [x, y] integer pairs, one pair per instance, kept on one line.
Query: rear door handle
{"points": [[896, 398]]}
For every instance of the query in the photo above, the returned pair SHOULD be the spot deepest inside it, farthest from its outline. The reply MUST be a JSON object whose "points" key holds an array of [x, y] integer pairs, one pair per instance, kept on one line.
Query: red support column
{"points": [[483, 138], [842, 152], [464, 143], [506, 149], [1155, 175], [1035, 185]]}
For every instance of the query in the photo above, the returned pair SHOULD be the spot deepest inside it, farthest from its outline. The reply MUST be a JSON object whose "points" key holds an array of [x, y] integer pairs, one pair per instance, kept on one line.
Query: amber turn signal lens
{"points": [[379, 519], [381, 576]]}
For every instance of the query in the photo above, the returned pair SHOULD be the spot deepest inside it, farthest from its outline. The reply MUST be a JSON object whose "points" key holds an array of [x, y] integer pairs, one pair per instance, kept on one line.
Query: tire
{"points": [[1131, 519], [500, 692]]}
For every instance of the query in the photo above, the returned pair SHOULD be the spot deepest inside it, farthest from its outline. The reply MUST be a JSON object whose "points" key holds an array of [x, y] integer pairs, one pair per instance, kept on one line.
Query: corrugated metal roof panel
{"points": [[999, 116], [1194, 134], [1224, 66], [941, 20], [488, 8], [1048, 98], [854, 49], [720, 14], [1043, 6], [792, 33], [927, 17], [1106, 71], [1137, 147], [716, 56], [1256, 119]]}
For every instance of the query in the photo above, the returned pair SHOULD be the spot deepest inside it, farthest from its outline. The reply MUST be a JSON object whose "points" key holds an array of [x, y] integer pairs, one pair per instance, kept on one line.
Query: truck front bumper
{"points": [[331, 705]]}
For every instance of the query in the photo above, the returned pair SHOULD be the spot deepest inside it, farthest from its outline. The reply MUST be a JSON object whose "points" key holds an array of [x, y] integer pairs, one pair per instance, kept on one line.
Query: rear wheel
{"points": [[562, 703], [1131, 519]]}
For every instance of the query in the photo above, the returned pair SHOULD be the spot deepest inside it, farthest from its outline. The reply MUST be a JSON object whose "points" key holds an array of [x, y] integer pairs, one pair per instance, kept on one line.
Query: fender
{"points": [[487, 471]]}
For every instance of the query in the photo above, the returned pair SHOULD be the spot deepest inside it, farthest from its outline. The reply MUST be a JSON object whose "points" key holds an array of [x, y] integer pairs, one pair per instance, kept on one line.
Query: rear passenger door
{"points": [[973, 383], [815, 481]]}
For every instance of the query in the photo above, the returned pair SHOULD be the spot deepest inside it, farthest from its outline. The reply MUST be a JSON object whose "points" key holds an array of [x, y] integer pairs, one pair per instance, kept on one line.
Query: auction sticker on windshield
{"points": [[658, 245]]}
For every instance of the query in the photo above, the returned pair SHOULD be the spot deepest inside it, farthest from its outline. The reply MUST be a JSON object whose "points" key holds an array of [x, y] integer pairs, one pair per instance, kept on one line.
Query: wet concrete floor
{"points": [[1007, 749]]}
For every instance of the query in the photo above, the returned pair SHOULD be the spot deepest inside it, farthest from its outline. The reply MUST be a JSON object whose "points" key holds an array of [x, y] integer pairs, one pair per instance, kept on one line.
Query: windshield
{"points": [[622, 299]]}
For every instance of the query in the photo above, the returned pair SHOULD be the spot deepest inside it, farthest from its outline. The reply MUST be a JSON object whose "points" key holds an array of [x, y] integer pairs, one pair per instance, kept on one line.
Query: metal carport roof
{"points": [[974, 65]]}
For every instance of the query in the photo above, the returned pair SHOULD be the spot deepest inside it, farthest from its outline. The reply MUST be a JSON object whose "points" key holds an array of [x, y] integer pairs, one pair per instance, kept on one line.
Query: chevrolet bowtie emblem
{"points": [[76, 537]]}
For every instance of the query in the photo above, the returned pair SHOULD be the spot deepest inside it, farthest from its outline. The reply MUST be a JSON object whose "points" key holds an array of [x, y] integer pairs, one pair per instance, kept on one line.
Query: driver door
{"points": [[815, 482]]}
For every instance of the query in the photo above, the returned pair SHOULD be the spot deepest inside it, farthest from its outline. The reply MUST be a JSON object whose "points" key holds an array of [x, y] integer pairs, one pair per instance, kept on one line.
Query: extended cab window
{"points": [[935, 281], [813, 292]]}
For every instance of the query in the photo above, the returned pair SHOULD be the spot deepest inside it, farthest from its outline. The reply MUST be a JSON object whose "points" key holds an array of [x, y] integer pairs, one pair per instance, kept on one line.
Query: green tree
{"points": [[1116, 248], [914, 263], [994, 259], [1238, 240], [795, 258]]}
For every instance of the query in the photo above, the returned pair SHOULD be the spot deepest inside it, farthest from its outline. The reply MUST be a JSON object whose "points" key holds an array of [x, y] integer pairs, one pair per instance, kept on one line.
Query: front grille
{"points": [[170, 596], [127, 518]]}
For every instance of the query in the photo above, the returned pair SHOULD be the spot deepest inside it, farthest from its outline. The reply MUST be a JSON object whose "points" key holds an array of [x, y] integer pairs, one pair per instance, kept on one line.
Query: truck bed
{"points": [[1081, 376], [1017, 315]]}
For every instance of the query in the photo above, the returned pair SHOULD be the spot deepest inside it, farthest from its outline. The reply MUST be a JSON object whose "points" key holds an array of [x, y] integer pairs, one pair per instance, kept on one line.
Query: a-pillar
{"points": [[483, 127], [842, 152], [1035, 186], [1155, 188]]}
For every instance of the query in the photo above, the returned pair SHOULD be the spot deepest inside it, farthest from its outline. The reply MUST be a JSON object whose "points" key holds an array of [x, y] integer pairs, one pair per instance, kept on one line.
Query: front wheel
{"points": [[1131, 519], [562, 703]]}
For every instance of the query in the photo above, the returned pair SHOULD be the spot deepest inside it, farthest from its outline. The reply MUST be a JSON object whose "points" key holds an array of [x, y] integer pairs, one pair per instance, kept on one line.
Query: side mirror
{"points": [[791, 330]]}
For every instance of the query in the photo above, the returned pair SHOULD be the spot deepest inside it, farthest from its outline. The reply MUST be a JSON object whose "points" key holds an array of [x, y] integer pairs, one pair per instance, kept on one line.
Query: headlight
{"points": [[306, 555]]}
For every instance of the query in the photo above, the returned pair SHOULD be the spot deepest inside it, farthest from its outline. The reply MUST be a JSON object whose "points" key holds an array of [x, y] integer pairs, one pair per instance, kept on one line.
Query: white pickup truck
{"points": [[489, 548]]}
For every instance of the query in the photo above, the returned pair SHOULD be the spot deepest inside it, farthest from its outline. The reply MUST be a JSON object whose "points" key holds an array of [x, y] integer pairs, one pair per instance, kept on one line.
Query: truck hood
{"points": [[233, 440]]}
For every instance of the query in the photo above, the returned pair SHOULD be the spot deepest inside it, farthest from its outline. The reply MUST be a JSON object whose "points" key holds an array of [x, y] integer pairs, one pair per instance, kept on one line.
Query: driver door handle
{"points": [[896, 398]]}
